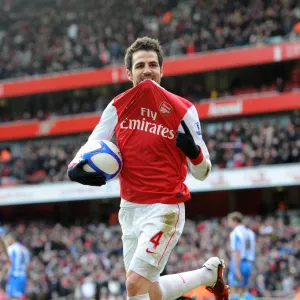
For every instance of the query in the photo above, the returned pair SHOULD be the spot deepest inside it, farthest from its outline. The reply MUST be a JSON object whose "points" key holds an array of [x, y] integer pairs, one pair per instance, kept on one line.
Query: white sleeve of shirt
{"points": [[104, 130], [10, 251], [202, 170], [232, 245], [235, 241]]}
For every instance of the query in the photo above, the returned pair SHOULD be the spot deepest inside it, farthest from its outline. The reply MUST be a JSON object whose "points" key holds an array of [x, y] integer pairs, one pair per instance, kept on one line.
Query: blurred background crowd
{"points": [[44, 36], [83, 259], [231, 144], [53, 105]]}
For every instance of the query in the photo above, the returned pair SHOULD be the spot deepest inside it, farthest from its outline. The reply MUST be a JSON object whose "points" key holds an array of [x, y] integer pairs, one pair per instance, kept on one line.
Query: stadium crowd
{"points": [[53, 105], [44, 36], [232, 144], [87, 258]]}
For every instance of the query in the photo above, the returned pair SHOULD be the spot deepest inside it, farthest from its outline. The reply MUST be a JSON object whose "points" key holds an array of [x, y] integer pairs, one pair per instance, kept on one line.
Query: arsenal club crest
{"points": [[165, 108]]}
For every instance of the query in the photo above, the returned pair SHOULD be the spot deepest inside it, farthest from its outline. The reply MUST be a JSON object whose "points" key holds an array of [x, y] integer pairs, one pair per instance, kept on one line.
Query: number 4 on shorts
{"points": [[156, 238]]}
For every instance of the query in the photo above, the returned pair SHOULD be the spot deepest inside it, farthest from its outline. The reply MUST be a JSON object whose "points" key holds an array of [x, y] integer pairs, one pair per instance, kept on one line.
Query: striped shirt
{"points": [[20, 257], [242, 239]]}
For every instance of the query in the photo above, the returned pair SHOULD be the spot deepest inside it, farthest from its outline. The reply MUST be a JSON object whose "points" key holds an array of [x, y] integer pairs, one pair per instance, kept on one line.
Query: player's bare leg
{"points": [[155, 292], [137, 286]]}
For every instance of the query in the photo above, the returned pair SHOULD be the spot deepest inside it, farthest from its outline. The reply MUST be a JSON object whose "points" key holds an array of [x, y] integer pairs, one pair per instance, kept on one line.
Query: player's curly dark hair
{"points": [[144, 43]]}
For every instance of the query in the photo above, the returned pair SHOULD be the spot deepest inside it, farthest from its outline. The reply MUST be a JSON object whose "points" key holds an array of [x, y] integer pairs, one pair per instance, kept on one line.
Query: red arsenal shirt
{"points": [[145, 120]]}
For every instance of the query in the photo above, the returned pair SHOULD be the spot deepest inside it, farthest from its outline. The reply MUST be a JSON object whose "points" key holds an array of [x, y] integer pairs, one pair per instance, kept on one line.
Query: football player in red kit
{"points": [[158, 133]]}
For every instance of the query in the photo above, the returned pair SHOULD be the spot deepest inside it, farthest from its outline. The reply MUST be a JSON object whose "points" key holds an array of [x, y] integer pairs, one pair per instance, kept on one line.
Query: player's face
{"points": [[145, 65]]}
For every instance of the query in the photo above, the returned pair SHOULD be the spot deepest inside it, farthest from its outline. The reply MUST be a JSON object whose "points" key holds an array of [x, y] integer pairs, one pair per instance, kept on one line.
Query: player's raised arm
{"points": [[189, 140], [103, 131]]}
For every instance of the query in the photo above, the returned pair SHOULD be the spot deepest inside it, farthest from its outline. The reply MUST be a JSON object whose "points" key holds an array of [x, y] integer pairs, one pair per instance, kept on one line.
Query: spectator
{"points": [[235, 144], [79, 270], [54, 36], [48, 106]]}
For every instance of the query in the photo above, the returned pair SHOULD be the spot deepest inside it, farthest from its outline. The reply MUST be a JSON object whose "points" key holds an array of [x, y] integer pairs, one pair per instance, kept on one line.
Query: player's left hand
{"points": [[185, 142], [76, 173]]}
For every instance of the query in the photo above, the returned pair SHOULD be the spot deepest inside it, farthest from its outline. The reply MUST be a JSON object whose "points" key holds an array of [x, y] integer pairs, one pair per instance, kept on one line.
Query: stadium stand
{"points": [[46, 36], [232, 144], [39, 37], [50, 106], [88, 257]]}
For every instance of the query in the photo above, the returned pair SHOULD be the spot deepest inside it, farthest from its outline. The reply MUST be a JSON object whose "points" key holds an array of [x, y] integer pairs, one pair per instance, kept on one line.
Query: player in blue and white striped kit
{"points": [[242, 244], [17, 273]]}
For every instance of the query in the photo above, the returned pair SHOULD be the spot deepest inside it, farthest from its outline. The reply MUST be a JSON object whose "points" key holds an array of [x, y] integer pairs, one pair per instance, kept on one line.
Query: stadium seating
{"points": [[67, 259], [45, 36], [40, 37], [52, 105], [231, 144]]}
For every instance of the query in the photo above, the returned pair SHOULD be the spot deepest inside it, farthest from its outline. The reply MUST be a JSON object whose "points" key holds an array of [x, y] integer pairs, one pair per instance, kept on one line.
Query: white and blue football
{"points": [[102, 156]]}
